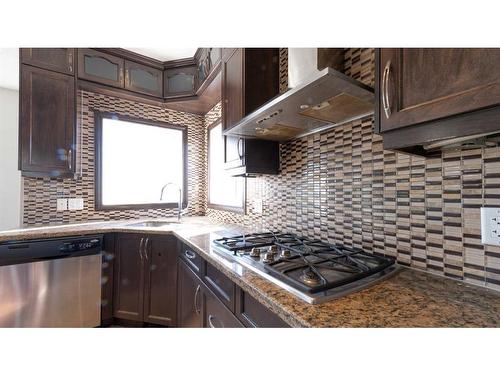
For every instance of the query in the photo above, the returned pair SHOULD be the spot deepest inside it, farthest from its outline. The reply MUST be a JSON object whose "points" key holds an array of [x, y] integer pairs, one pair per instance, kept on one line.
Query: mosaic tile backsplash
{"points": [[40, 194], [341, 186]]}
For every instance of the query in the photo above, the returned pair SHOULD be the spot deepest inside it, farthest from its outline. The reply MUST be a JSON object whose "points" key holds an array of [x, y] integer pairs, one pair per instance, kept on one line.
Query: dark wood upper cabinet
{"points": [[47, 123], [425, 94], [128, 291], [101, 67], [250, 78], [143, 79], [180, 81], [160, 302], [189, 298], [60, 60]]}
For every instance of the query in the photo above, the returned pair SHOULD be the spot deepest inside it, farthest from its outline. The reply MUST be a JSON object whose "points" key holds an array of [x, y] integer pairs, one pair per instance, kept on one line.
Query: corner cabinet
{"points": [[250, 78], [46, 121], [145, 279], [431, 94], [180, 81]]}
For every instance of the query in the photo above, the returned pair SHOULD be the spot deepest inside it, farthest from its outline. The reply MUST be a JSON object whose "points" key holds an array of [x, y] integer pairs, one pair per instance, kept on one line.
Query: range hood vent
{"points": [[317, 100]]}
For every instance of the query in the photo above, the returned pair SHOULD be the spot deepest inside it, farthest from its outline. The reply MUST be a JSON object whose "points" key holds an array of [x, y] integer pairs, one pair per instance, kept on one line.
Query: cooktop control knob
{"points": [[269, 257], [285, 253], [255, 252], [273, 249]]}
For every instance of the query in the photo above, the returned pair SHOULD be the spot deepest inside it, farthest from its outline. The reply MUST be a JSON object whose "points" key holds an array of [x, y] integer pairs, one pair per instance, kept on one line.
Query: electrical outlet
{"points": [[490, 225], [62, 204], [257, 206], [75, 204]]}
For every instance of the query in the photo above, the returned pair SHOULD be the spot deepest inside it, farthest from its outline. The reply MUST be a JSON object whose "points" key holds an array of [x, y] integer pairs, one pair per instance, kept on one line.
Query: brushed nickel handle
{"points": [[140, 249], [189, 254], [146, 248], [211, 319], [70, 164], [385, 90], [196, 293], [240, 142], [70, 62]]}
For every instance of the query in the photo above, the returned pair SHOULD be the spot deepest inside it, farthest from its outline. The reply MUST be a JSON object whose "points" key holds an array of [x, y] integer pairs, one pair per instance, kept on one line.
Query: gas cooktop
{"points": [[312, 270]]}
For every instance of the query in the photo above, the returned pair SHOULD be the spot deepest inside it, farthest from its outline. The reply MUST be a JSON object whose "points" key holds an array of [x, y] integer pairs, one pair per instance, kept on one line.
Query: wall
{"points": [[10, 177], [342, 187], [40, 194]]}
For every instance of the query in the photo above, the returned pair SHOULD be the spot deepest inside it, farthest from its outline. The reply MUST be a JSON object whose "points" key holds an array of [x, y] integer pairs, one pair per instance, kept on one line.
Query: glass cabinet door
{"points": [[143, 79], [100, 67], [180, 81]]}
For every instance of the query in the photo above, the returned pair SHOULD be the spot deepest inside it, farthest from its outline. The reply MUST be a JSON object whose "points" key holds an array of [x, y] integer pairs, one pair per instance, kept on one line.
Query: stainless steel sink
{"points": [[153, 224]]}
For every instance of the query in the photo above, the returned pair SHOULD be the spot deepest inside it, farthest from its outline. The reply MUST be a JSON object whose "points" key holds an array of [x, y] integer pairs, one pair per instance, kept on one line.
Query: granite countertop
{"points": [[410, 298]]}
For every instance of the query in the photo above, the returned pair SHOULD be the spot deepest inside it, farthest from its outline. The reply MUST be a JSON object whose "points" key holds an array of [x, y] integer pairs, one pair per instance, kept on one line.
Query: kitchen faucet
{"points": [[179, 207]]}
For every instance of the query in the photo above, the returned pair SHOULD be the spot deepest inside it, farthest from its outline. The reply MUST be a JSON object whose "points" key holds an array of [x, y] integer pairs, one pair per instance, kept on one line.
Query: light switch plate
{"points": [[257, 206], [75, 204], [62, 204], [490, 225]]}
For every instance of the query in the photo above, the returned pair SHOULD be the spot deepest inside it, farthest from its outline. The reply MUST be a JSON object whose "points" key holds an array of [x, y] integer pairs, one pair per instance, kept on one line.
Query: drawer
{"points": [[217, 314], [221, 285], [254, 314], [191, 257]]}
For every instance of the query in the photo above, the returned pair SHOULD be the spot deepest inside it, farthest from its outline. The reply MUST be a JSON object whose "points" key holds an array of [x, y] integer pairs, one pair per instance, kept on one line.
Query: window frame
{"points": [[99, 116], [236, 209]]}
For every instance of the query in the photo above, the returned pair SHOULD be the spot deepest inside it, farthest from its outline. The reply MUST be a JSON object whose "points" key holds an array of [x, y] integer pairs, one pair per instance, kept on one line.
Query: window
{"points": [[224, 192], [135, 159]]}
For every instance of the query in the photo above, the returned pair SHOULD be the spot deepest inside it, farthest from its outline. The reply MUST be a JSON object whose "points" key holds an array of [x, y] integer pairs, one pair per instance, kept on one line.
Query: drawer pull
{"points": [[196, 294], [211, 320], [190, 254], [385, 90]]}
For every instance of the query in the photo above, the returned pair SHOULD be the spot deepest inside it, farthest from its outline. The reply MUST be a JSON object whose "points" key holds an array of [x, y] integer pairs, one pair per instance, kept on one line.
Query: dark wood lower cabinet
{"points": [[254, 314], [216, 314], [160, 292], [145, 278], [189, 298]]}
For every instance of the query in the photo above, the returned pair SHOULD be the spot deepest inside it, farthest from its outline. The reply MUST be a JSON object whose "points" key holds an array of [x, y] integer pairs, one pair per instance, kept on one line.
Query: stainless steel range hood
{"points": [[318, 100]]}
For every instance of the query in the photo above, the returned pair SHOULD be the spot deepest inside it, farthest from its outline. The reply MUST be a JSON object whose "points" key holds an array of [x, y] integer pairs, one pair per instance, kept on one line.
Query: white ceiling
{"points": [[9, 68], [165, 54]]}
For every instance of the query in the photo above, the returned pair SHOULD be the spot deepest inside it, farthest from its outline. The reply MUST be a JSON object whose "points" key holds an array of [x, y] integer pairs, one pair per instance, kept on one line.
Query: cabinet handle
{"points": [[127, 78], [196, 293], [140, 249], [189, 254], [146, 248], [70, 62], [121, 75], [211, 320], [70, 161], [385, 90], [240, 146]]}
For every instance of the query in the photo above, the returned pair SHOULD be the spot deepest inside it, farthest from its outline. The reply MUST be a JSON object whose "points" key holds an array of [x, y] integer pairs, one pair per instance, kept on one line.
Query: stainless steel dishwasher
{"points": [[51, 283]]}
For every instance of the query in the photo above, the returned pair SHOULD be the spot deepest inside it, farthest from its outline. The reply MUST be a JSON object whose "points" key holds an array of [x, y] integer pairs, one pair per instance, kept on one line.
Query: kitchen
{"points": [[231, 187]]}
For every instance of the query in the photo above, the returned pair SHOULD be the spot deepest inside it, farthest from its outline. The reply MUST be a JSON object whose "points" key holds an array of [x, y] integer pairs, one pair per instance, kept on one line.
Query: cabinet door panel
{"points": [[128, 291], [143, 79], [47, 121], [424, 84], [216, 314], [189, 298], [56, 59], [180, 81], [253, 314], [161, 280], [232, 88], [100, 67]]}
